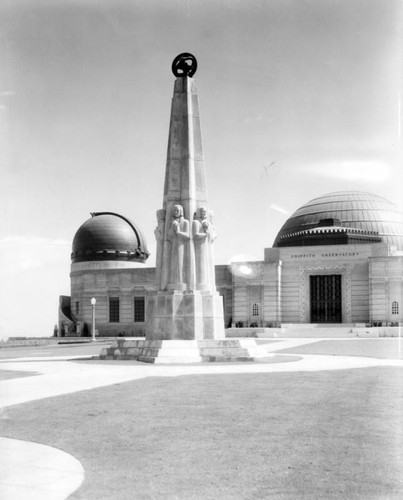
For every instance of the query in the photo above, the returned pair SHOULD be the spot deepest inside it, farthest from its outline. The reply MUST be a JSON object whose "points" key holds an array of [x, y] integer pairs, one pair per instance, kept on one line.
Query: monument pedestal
{"points": [[184, 315], [184, 351]]}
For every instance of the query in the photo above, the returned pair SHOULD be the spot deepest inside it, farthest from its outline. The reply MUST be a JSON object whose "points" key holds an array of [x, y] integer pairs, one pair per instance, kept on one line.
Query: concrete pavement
{"points": [[33, 471]]}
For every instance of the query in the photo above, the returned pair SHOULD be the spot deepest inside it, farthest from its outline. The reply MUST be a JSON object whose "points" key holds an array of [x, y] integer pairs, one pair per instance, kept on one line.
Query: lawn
{"points": [[380, 348], [322, 435]]}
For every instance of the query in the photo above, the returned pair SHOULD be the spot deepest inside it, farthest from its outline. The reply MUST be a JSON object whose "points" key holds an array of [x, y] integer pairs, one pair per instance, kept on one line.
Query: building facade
{"points": [[337, 259]]}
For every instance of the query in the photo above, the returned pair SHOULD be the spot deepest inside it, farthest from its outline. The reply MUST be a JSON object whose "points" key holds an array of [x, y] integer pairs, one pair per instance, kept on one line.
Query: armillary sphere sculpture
{"points": [[184, 65]]}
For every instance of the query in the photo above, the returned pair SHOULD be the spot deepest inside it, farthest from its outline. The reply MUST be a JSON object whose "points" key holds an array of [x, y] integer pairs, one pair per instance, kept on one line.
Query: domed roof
{"points": [[109, 236], [367, 212]]}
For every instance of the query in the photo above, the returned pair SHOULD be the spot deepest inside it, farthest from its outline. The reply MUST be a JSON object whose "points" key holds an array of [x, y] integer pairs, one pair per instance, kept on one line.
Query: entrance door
{"points": [[326, 298]]}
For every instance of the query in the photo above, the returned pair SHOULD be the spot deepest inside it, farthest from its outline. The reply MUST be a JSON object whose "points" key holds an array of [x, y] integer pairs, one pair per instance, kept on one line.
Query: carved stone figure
{"points": [[159, 236], [203, 235], [213, 236], [178, 236]]}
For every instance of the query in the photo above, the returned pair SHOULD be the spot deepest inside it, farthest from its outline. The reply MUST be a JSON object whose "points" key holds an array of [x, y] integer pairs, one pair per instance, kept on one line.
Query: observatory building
{"points": [[337, 259]]}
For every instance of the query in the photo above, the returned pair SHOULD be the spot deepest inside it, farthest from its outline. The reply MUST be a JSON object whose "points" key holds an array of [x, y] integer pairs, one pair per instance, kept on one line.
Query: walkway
{"points": [[33, 471]]}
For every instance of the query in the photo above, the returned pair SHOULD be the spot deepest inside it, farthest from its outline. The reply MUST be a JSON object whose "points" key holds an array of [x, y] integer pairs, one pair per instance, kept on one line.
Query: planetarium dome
{"points": [[108, 236], [341, 218]]}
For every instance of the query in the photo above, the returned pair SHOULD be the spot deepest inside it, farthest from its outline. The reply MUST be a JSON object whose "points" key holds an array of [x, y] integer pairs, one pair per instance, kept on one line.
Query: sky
{"points": [[298, 98]]}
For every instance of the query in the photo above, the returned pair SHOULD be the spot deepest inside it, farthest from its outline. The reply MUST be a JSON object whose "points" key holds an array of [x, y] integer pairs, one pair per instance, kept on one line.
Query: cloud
{"points": [[30, 252], [351, 170]]}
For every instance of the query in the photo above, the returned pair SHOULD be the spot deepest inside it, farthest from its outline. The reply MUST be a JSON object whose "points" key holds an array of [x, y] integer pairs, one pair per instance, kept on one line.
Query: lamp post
{"points": [[93, 302]]}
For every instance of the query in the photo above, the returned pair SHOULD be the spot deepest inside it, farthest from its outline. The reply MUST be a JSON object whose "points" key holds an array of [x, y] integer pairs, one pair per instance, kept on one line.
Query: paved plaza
{"points": [[41, 375]]}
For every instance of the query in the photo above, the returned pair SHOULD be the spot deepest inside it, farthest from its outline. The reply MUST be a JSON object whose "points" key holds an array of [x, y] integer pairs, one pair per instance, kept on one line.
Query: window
{"points": [[77, 307], [395, 307], [255, 310], [139, 310], [114, 316]]}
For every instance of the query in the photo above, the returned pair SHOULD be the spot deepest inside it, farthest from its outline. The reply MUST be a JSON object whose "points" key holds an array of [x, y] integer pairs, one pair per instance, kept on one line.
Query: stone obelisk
{"points": [[184, 311], [185, 304]]}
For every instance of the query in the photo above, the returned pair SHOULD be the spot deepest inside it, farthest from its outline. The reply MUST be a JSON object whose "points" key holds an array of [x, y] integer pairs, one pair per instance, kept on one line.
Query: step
{"points": [[184, 351], [170, 359], [226, 359]]}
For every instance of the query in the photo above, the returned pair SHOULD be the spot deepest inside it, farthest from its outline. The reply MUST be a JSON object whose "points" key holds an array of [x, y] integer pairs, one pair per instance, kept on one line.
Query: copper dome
{"points": [[109, 236], [367, 212]]}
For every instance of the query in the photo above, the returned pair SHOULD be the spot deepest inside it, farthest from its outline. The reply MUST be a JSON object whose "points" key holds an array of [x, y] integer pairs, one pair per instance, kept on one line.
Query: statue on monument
{"points": [[178, 236], [211, 252], [204, 235], [159, 236]]}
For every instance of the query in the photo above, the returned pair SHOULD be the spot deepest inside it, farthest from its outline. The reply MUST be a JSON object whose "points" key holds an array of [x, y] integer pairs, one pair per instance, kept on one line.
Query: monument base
{"points": [[184, 351], [182, 315]]}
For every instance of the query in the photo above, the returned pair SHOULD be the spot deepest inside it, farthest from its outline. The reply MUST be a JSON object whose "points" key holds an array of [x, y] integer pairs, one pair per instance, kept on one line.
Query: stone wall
{"points": [[248, 293], [223, 277], [386, 289], [277, 288], [123, 283], [285, 283]]}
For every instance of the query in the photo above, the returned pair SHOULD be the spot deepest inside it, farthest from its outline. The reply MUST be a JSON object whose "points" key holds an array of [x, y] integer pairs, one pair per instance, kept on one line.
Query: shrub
{"points": [[85, 331], [376, 323]]}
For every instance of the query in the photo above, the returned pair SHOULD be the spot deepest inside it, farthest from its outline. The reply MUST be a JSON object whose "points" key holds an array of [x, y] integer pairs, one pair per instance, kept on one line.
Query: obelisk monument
{"points": [[185, 304], [184, 311]]}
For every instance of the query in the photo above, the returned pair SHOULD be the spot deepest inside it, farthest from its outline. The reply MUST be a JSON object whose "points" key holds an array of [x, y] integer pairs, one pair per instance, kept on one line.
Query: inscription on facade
{"points": [[324, 255]]}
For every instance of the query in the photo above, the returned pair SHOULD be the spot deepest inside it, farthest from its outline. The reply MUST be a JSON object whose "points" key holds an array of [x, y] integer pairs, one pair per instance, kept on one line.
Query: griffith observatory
{"points": [[337, 260]]}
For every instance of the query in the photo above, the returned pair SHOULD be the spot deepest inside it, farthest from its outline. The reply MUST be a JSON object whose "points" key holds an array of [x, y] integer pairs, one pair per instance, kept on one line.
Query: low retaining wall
{"points": [[27, 341], [253, 332], [294, 331], [35, 341], [378, 331]]}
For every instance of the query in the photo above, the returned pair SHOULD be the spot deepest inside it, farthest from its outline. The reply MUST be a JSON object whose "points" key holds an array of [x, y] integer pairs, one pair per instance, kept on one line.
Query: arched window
{"points": [[395, 307], [255, 310]]}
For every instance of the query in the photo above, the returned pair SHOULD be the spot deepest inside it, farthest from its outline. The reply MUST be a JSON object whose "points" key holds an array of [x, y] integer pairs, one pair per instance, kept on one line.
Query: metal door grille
{"points": [[326, 298]]}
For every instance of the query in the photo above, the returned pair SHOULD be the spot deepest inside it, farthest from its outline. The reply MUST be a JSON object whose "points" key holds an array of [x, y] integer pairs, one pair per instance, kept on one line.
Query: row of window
{"points": [[139, 309], [114, 309], [395, 308]]}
